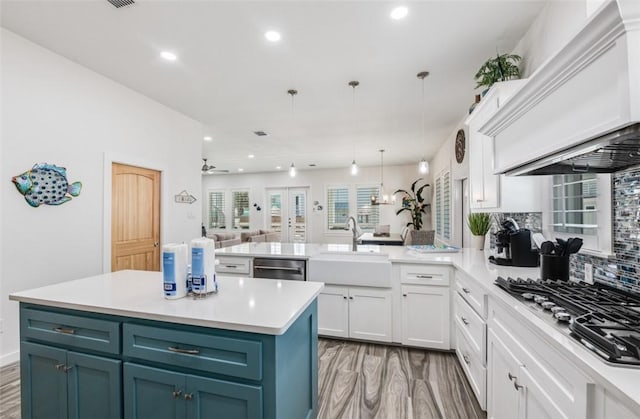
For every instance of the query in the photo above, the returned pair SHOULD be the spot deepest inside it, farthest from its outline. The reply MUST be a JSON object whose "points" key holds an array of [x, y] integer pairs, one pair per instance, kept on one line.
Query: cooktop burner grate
{"points": [[604, 319]]}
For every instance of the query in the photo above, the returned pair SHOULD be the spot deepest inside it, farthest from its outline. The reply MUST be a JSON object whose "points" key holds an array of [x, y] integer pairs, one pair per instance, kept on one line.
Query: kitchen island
{"points": [[113, 346]]}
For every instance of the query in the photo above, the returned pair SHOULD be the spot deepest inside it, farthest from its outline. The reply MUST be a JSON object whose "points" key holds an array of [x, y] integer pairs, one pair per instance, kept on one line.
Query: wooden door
{"points": [[135, 218]]}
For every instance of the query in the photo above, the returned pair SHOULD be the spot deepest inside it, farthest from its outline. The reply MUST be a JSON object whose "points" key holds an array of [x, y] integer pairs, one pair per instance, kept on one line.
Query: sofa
{"points": [[224, 239], [259, 236]]}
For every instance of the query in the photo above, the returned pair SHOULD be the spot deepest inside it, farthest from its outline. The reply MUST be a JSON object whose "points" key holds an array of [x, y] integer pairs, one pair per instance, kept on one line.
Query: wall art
{"points": [[46, 184]]}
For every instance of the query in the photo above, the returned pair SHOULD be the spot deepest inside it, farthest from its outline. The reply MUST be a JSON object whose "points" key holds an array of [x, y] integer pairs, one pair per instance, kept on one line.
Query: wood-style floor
{"points": [[357, 381], [362, 381]]}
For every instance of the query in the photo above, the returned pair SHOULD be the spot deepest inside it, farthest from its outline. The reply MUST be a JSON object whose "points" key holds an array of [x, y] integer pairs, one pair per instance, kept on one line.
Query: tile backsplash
{"points": [[623, 270]]}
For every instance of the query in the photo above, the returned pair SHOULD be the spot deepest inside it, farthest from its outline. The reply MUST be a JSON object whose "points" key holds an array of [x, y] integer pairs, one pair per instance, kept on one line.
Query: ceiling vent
{"points": [[260, 133], [120, 3]]}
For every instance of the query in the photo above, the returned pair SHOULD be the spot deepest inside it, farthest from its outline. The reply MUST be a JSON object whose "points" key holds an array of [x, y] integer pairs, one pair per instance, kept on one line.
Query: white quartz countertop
{"points": [[264, 306]]}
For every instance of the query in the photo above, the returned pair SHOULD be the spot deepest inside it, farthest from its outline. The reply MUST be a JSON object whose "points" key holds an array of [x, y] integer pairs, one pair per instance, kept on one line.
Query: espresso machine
{"points": [[514, 246]]}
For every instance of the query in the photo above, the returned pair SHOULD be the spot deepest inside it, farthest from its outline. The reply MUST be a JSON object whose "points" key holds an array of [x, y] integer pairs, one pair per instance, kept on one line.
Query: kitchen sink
{"points": [[368, 269]]}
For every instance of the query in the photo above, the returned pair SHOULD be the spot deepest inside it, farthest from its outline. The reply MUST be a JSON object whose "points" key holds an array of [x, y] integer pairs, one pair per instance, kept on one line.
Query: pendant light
{"points": [[354, 165], [423, 166], [382, 198], [292, 93]]}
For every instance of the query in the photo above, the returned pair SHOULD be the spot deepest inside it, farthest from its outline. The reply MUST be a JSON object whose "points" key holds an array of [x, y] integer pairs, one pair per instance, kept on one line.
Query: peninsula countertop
{"points": [[264, 306]]}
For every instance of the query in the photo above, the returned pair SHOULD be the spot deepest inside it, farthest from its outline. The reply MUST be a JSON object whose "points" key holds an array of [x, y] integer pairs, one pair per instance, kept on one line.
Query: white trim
{"points": [[9, 358], [109, 159]]}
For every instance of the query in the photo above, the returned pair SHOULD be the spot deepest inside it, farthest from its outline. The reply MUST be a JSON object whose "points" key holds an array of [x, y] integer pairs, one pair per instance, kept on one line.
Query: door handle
{"points": [[176, 393], [188, 396], [156, 244], [464, 320]]}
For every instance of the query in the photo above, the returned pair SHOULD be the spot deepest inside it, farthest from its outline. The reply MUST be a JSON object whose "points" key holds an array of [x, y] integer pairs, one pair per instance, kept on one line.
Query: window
{"points": [[240, 209], [579, 205], [275, 206], [575, 204], [337, 207], [368, 215], [216, 210], [443, 205]]}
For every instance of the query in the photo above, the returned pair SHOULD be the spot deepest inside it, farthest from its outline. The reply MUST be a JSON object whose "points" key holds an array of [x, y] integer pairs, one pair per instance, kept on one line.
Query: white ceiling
{"points": [[235, 82]]}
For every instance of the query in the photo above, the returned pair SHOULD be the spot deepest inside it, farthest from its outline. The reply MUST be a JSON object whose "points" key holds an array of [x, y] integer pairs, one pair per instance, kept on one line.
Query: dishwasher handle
{"points": [[278, 268]]}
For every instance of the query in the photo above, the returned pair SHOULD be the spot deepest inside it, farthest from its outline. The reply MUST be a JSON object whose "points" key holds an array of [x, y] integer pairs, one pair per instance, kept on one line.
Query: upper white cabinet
{"points": [[488, 191]]}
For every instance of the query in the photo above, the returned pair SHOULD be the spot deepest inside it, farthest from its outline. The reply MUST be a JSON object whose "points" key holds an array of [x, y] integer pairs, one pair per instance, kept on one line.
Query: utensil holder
{"points": [[554, 267]]}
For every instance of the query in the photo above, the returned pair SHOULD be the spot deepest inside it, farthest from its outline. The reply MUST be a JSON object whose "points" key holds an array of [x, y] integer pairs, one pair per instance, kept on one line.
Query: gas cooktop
{"points": [[604, 319]]}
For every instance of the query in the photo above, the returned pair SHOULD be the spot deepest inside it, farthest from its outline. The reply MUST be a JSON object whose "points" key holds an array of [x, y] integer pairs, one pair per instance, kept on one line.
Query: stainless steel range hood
{"points": [[608, 153]]}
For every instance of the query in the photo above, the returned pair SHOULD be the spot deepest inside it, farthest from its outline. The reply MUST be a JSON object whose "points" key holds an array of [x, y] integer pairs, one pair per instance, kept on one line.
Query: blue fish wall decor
{"points": [[46, 184]]}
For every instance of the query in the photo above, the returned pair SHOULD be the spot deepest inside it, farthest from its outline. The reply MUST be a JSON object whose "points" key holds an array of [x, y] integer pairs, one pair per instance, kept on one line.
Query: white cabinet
{"points": [[425, 319], [504, 397], [333, 311], [527, 378], [487, 190], [423, 306], [233, 266], [355, 312]]}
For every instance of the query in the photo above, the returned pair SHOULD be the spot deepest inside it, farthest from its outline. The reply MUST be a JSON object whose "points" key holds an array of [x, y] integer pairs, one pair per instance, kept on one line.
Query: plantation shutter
{"points": [[368, 215], [240, 209], [216, 210], [337, 207]]}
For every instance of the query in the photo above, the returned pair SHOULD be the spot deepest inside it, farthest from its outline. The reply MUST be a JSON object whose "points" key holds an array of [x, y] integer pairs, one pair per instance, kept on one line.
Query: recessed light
{"points": [[208, 138], [272, 36], [169, 56], [250, 156], [240, 169], [278, 167], [399, 12]]}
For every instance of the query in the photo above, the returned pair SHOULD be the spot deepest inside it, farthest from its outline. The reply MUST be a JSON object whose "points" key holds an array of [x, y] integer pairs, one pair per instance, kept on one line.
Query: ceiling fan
{"points": [[206, 169]]}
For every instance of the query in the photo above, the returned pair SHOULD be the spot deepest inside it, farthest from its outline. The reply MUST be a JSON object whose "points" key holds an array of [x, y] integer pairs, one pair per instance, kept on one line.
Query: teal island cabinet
{"points": [[249, 351]]}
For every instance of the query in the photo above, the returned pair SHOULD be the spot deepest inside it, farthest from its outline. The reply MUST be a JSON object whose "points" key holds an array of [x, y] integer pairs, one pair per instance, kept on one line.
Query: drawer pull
{"points": [[65, 330], [424, 276], [184, 351], [188, 396], [231, 266], [176, 393], [277, 268], [466, 359], [511, 377], [516, 385], [464, 320], [59, 367], [466, 290]]}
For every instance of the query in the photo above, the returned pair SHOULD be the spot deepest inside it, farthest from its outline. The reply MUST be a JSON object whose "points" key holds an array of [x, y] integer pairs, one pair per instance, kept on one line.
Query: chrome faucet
{"points": [[354, 230]]}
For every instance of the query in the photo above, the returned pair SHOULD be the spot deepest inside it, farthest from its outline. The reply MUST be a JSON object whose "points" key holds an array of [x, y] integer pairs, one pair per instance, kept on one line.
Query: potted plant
{"points": [[479, 224], [501, 68], [413, 202]]}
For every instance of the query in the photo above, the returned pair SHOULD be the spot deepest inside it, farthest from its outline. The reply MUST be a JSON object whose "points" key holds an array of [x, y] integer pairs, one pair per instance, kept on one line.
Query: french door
{"points": [[286, 213]]}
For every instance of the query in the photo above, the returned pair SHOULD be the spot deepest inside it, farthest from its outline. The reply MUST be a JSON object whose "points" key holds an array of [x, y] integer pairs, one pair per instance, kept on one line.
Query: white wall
{"points": [[395, 177], [556, 24], [56, 111]]}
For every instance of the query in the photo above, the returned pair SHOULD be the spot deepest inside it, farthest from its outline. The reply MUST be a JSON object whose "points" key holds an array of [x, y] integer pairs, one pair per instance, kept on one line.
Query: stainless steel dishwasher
{"points": [[289, 269]]}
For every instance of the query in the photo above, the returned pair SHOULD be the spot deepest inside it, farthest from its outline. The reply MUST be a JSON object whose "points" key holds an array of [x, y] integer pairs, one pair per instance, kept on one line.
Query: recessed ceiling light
{"points": [[399, 12], [272, 36], [208, 138], [278, 167], [169, 56], [250, 156], [240, 169]]}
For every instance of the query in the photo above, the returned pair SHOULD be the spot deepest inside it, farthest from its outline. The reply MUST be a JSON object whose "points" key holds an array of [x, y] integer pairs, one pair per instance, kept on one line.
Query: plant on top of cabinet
{"points": [[414, 203], [502, 68]]}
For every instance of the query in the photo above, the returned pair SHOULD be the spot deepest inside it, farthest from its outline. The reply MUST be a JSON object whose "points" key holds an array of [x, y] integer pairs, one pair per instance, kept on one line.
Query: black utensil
{"points": [[546, 248], [562, 247], [574, 246]]}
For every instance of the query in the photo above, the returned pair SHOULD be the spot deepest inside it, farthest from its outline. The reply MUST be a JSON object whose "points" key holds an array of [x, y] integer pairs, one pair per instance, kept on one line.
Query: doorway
{"points": [[287, 212], [135, 218]]}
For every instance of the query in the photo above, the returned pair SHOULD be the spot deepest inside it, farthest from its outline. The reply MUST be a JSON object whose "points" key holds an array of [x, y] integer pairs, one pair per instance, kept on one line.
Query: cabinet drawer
{"points": [[223, 355], [472, 293], [473, 368], [233, 265], [424, 275], [471, 325], [70, 330]]}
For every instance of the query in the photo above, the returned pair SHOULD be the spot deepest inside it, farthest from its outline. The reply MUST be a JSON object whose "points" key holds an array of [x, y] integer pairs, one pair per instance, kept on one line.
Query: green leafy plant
{"points": [[479, 223], [501, 68], [413, 202]]}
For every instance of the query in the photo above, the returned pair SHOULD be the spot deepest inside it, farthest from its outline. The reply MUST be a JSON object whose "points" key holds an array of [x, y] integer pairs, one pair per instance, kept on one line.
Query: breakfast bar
{"points": [[112, 346]]}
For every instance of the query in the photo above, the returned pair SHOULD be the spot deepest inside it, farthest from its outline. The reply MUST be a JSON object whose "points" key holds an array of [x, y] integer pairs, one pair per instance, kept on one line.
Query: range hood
{"points": [[579, 112], [608, 153]]}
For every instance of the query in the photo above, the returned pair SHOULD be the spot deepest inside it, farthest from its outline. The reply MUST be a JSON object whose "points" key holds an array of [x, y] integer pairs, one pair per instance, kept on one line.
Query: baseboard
{"points": [[9, 358]]}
